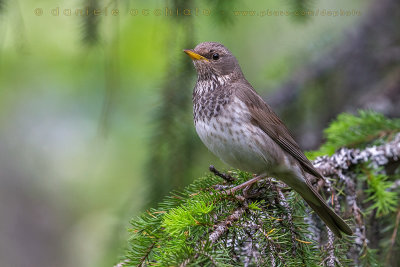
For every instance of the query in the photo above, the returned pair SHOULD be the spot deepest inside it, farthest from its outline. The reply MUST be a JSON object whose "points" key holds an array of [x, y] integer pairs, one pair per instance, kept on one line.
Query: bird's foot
{"points": [[245, 186], [224, 176], [251, 192]]}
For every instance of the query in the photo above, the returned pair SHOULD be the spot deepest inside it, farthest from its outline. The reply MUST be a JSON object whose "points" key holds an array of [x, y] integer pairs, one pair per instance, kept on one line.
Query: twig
{"points": [[331, 259], [289, 217], [223, 226], [245, 184], [185, 263], [143, 259], [361, 241], [393, 238], [273, 247], [224, 176]]}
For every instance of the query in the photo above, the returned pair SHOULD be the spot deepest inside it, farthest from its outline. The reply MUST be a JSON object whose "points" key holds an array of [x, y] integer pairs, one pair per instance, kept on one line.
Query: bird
{"points": [[240, 128]]}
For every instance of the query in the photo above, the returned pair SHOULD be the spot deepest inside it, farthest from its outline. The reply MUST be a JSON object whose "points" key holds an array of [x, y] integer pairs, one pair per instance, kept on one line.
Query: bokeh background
{"points": [[95, 110]]}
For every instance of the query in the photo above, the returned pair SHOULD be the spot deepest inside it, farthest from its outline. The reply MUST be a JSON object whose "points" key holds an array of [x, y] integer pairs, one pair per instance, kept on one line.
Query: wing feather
{"points": [[265, 118]]}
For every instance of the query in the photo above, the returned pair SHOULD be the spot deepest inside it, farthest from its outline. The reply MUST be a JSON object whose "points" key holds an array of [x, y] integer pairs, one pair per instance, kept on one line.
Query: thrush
{"points": [[235, 123]]}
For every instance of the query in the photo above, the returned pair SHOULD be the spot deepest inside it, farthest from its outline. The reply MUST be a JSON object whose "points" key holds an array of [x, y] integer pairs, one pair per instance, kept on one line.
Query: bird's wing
{"points": [[269, 122]]}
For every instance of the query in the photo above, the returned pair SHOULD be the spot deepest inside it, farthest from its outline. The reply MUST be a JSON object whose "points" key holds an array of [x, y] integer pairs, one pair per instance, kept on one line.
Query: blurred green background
{"points": [[95, 111]]}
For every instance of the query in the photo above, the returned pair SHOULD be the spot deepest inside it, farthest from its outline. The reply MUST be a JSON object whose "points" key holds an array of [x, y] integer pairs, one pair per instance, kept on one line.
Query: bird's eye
{"points": [[215, 56]]}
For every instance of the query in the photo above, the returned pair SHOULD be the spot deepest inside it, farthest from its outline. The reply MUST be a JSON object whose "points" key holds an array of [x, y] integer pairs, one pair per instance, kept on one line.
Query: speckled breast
{"points": [[232, 137]]}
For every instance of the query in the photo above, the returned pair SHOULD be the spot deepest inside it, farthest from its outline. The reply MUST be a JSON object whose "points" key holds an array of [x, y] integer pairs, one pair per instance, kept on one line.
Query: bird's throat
{"points": [[210, 96]]}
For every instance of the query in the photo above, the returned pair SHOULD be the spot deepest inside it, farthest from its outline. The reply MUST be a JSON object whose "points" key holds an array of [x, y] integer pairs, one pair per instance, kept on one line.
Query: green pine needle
{"points": [[384, 201], [368, 128]]}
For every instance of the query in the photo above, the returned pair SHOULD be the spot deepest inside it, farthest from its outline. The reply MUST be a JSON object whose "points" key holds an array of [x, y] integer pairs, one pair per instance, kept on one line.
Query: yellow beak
{"points": [[194, 56]]}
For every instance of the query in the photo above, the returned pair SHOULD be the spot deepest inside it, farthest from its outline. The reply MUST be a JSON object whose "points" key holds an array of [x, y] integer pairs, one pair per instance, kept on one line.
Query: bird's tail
{"points": [[331, 219]]}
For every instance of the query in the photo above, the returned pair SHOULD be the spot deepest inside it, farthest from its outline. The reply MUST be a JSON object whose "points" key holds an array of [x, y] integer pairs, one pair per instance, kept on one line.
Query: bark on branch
{"points": [[345, 158]]}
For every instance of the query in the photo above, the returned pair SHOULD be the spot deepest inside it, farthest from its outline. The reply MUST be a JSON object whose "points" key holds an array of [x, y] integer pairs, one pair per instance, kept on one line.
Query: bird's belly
{"points": [[239, 144]]}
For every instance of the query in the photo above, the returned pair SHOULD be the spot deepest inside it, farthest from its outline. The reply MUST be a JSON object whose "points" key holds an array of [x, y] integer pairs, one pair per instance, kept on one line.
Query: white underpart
{"points": [[235, 141], [248, 148]]}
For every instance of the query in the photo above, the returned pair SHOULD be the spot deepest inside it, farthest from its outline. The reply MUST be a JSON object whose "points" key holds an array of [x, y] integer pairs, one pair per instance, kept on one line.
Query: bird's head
{"points": [[213, 60]]}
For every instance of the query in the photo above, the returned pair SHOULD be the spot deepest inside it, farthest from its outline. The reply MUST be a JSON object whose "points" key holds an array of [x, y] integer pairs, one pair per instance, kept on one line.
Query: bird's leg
{"points": [[248, 193], [224, 176], [252, 191], [246, 184]]}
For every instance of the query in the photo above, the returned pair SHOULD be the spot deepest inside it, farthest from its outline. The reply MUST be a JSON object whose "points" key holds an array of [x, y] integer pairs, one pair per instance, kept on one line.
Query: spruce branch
{"points": [[345, 158], [223, 226], [227, 177], [289, 216], [265, 224], [331, 260], [360, 240]]}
